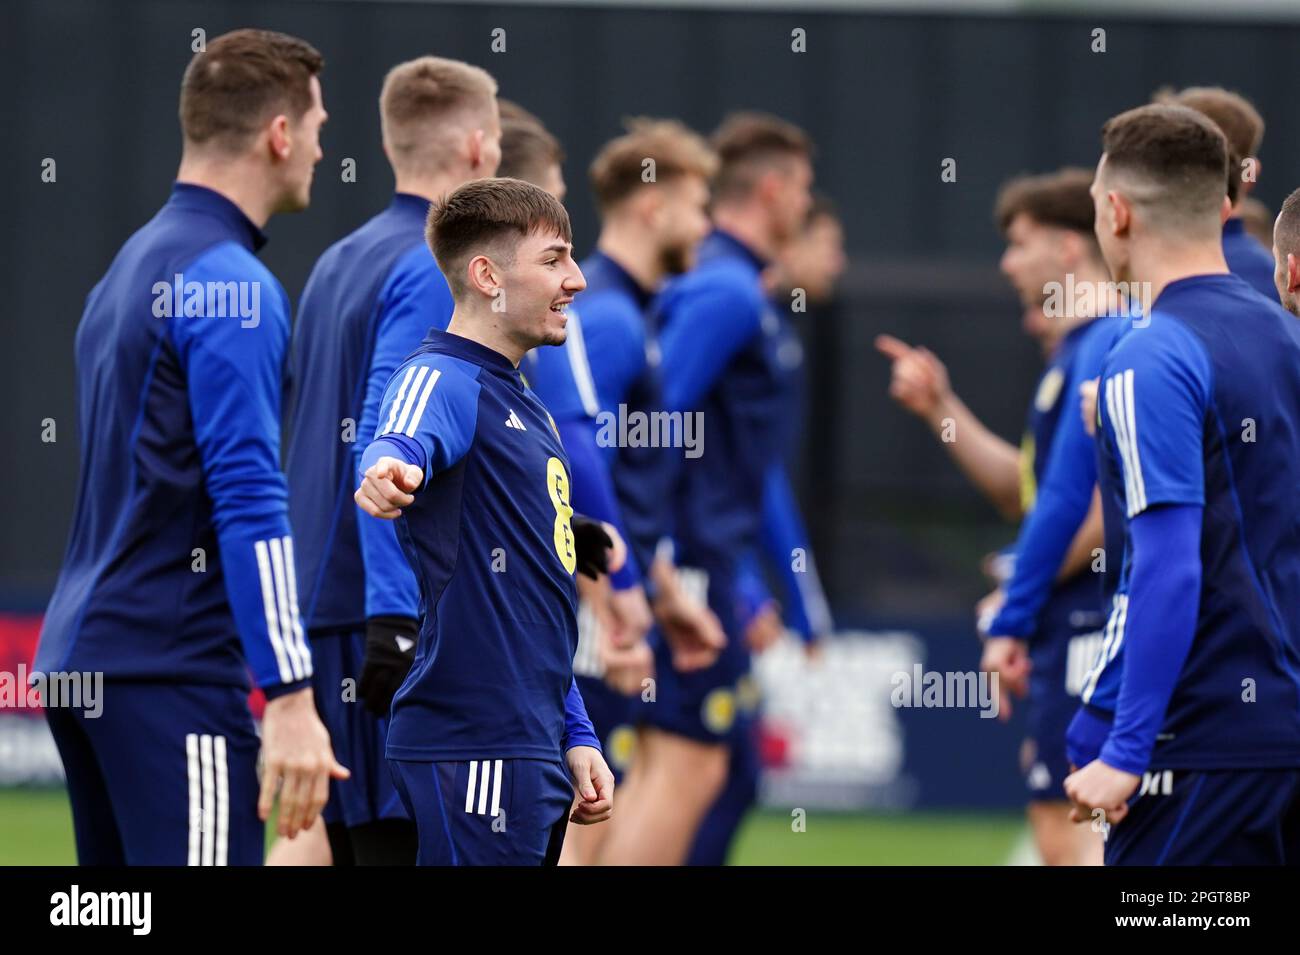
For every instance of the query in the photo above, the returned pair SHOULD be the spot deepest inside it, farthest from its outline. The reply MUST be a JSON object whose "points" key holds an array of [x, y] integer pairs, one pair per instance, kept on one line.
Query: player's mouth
{"points": [[560, 307]]}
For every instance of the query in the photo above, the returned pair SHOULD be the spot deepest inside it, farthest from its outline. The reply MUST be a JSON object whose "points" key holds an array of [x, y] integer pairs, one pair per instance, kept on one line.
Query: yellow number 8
{"points": [[557, 484]]}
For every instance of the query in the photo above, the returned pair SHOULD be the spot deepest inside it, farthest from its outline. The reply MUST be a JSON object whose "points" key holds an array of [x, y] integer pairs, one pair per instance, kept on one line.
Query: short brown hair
{"points": [[476, 217], [748, 144], [527, 149], [1236, 118], [420, 98], [240, 81], [1286, 234], [1172, 162], [619, 168], [1059, 199]]}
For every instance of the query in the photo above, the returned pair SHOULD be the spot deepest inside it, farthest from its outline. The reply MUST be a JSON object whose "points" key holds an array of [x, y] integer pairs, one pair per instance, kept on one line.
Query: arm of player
{"points": [[413, 299], [592, 780], [235, 375], [1153, 400], [1064, 496], [700, 336], [786, 541], [919, 382], [758, 611], [1161, 621], [428, 418]]}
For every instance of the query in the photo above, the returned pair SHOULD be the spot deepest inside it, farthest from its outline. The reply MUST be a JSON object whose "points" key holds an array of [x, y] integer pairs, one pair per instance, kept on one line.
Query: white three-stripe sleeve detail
{"points": [[209, 817], [469, 789], [496, 788], [223, 798], [299, 638], [424, 400], [272, 612], [196, 806], [282, 603], [1120, 626], [397, 402], [411, 396], [1119, 421], [1139, 483], [576, 347]]}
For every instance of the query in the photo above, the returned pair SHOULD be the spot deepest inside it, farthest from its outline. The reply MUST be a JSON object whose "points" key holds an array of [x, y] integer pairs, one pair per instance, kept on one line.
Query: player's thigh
{"points": [[1054, 833], [180, 765], [1229, 817], [95, 827], [693, 771]]}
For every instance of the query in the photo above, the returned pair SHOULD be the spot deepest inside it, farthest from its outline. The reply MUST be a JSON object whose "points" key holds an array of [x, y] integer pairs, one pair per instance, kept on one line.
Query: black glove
{"points": [[591, 546], [386, 663]]}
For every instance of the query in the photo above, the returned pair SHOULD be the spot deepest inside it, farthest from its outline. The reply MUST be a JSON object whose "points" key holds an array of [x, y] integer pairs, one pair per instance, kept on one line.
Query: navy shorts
{"points": [[1210, 817], [613, 717], [165, 775], [356, 734], [486, 811], [705, 705], [1070, 632]]}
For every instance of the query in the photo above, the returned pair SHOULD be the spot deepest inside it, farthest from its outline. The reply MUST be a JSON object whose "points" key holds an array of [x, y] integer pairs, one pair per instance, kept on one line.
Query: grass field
{"points": [[36, 829]]}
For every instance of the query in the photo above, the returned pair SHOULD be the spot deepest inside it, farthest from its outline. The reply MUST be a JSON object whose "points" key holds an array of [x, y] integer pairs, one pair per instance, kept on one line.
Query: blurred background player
{"points": [[1201, 763], [471, 463], [648, 231], [562, 378], [180, 357], [1243, 128], [368, 303], [1042, 631], [529, 151], [803, 274], [719, 342]]}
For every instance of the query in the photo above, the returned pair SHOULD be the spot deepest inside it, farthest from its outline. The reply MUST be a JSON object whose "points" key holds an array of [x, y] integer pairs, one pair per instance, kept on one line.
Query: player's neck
{"points": [[751, 226], [1156, 263], [239, 180], [634, 252], [485, 327]]}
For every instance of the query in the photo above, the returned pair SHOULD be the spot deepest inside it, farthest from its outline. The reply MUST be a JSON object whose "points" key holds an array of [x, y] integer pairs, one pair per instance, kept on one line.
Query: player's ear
{"points": [[483, 276], [1225, 210], [476, 148], [1121, 212], [1292, 272], [278, 139]]}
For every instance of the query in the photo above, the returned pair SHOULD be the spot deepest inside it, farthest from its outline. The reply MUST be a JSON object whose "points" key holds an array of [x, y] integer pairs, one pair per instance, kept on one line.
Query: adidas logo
{"points": [[514, 422]]}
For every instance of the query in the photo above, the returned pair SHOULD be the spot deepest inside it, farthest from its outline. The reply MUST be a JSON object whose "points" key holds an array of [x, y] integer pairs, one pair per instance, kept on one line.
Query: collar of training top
{"points": [[186, 195], [724, 242], [619, 275], [452, 344], [407, 200]]}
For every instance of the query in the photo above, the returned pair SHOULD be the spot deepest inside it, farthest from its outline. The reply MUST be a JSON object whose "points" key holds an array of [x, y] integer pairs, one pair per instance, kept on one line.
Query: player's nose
{"points": [[575, 281]]}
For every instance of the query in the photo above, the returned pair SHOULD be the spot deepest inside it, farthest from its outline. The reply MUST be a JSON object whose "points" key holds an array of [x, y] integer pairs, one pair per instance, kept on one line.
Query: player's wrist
{"points": [[289, 696]]}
